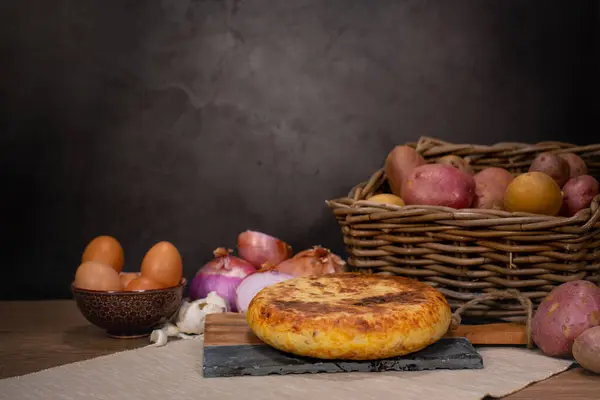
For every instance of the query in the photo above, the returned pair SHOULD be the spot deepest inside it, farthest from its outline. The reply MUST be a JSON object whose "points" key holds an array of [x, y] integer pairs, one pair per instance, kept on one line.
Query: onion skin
{"points": [[253, 284], [222, 275], [259, 248], [312, 262]]}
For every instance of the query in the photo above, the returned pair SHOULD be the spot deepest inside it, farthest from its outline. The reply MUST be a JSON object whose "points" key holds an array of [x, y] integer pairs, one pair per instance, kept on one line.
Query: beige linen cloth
{"points": [[175, 372]]}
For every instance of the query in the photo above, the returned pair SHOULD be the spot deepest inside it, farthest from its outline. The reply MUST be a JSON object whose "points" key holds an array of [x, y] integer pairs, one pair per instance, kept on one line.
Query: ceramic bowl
{"points": [[129, 314]]}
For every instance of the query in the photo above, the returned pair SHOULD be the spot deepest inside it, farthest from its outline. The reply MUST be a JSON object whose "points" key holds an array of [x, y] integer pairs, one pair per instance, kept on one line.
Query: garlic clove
{"points": [[219, 304], [191, 318], [170, 329], [182, 310], [158, 337]]}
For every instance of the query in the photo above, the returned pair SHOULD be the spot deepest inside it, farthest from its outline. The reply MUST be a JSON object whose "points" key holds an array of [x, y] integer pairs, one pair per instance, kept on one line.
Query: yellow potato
{"points": [[533, 192], [386, 198]]}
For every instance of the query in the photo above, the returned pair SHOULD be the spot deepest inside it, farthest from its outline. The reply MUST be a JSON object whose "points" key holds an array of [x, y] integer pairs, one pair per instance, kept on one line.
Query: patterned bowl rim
{"points": [[75, 289]]}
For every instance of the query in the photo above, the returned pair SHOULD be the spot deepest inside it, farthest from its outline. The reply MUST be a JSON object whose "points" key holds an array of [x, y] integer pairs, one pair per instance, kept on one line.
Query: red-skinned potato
{"points": [[438, 185], [578, 193], [586, 349], [553, 166], [490, 185], [456, 162], [399, 164], [576, 164], [563, 315]]}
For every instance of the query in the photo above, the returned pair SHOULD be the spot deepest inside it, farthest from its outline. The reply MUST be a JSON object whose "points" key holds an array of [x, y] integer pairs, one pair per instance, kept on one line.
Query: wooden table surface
{"points": [[42, 334]]}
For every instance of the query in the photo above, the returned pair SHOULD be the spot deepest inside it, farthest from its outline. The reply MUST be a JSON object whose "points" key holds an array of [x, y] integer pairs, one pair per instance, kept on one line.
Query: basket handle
{"points": [[498, 295]]}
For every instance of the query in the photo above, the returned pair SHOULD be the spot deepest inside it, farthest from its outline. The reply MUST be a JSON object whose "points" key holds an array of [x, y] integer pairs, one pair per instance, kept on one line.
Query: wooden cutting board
{"points": [[232, 329]]}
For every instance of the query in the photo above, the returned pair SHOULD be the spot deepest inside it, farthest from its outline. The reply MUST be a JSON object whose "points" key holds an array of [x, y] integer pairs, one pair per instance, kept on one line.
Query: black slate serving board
{"points": [[261, 360]]}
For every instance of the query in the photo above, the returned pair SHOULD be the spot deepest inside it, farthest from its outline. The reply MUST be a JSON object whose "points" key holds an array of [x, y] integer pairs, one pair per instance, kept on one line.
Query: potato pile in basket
{"points": [[555, 185]]}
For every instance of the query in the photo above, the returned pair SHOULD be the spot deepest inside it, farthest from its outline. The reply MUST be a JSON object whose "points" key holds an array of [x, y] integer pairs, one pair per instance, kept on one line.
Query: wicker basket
{"points": [[468, 253]]}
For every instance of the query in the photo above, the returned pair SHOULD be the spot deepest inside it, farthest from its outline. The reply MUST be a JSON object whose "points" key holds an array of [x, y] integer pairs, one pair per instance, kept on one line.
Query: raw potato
{"points": [[563, 315], [553, 166], [456, 162], [386, 198], [490, 185], [439, 185], [576, 164], [533, 192], [586, 349], [399, 164], [578, 193]]}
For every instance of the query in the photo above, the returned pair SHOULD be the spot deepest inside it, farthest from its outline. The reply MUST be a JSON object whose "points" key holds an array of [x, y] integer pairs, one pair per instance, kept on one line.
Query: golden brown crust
{"points": [[349, 316]]}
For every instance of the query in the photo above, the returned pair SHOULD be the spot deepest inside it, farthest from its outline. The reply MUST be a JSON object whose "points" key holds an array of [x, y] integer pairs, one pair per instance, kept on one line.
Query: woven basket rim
{"points": [[430, 146]]}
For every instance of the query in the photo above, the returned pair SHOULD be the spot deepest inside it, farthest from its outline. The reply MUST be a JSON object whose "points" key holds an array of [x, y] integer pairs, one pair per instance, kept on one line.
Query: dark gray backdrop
{"points": [[190, 121]]}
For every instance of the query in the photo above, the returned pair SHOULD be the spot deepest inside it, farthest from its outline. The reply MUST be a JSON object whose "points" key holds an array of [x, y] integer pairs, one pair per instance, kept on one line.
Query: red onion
{"points": [[253, 284], [259, 248], [221, 275], [313, 262]]}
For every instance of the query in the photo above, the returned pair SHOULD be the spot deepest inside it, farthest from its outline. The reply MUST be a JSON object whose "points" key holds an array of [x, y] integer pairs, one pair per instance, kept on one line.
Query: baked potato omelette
{"points": [[349, 316]]}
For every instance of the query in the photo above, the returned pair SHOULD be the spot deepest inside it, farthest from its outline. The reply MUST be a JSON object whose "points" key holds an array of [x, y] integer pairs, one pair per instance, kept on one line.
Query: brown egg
{"points": [[127, 277], [105, 249], [162, 264], [92, 275], [143, 283]]}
